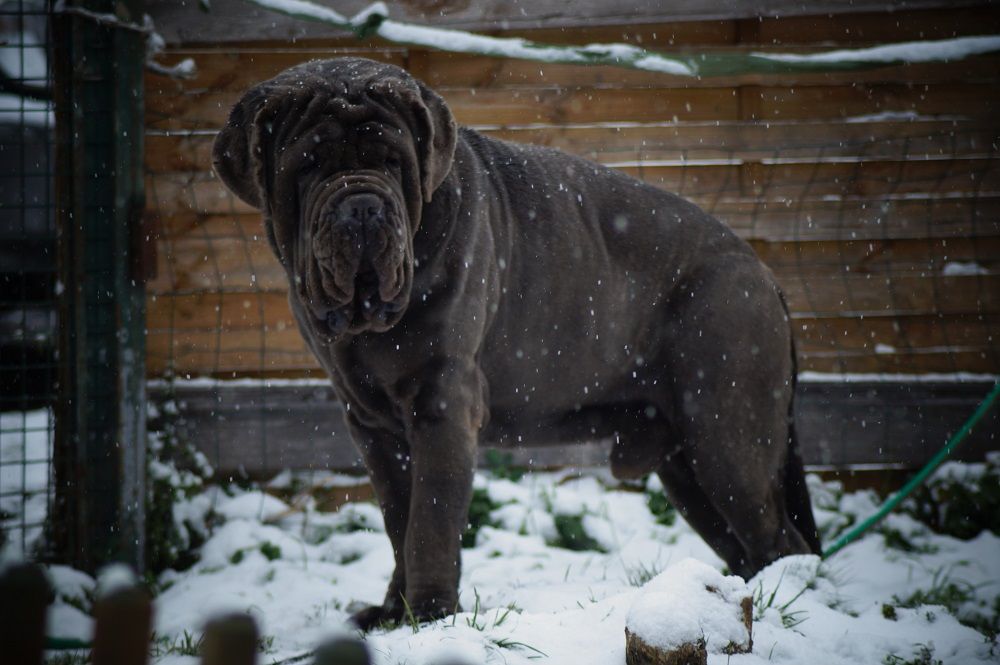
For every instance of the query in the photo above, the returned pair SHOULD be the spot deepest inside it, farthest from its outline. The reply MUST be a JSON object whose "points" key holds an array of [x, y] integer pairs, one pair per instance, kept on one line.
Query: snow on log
{"points": [[687, 612]]}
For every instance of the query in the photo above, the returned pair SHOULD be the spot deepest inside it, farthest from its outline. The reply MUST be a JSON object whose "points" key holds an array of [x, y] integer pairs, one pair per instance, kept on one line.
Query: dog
{"points": [[459, 288]]}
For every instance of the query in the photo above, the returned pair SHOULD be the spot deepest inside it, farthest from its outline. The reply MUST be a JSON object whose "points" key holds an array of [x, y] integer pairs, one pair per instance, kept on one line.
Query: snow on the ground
{"points": [[300, 573], [25, 461]]}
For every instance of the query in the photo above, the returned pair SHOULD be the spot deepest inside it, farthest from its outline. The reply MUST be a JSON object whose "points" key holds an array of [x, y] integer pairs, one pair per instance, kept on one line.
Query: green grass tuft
{"points": [[270, 550], [573, 536], [479, 516], [662, 509]]}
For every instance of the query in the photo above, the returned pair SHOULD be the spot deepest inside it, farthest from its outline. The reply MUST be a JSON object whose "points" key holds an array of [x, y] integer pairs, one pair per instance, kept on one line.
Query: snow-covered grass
{"points": [[25, 468], [557, 562]]}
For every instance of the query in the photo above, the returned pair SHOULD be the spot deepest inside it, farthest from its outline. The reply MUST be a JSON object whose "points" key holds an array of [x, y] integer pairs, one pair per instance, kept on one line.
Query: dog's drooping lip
{"points": [[358, 246], [365, 312]]}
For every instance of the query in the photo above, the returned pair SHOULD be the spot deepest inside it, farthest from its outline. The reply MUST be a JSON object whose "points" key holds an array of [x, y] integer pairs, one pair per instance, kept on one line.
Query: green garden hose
{"points": [[918, 479]]}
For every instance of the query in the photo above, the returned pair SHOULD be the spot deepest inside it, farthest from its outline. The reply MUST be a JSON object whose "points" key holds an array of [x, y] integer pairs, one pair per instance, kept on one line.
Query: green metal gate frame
{"points": [[100, 447]]}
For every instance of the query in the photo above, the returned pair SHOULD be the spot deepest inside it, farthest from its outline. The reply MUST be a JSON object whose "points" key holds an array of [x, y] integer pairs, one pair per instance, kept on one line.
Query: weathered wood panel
{"points": [[260, 430], [874, 196], [796, 220], [735, 142], [556, 105], [793, 180]]}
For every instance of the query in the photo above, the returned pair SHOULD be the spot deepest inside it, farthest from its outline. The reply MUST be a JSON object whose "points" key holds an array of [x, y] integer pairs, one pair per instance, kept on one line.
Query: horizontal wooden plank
{"points": [[197, 260], [862, 295], [261, 430], [783, 180], [794, 179], [223, 352], [202, 354], [265, 312], [874, 27], [888, 335], [776, 221], [209, 109], [870, 324], [688, 142], [921, 257], [805, 220], [227, 311], [932, 361]]}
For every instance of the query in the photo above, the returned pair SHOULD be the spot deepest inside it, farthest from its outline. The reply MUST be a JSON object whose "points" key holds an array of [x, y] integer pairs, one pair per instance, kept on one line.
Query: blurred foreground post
{"points": [[24, 596], [342, 651], [124, 619], [230, 640]]}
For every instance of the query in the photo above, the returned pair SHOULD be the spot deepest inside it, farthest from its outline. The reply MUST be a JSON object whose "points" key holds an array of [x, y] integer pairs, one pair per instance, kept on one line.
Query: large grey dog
{"points": [[461, 289]]}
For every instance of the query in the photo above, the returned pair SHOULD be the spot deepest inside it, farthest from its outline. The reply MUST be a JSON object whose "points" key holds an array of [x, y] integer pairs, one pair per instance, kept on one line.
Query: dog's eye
{"points": [[309, 163]]}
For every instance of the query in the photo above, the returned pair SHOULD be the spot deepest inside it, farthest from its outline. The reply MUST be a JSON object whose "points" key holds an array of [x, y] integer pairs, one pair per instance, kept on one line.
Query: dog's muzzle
{"points": [[358, 245]]}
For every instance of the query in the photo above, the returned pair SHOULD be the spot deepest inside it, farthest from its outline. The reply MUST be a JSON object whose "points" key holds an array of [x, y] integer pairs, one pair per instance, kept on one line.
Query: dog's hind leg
{"points": [[697, 508], [644, 443], [731, 372]]}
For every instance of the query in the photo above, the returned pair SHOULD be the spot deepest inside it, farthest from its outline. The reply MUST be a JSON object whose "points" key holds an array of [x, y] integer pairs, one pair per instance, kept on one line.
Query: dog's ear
{"points": [[437, 145], [435, 133], [236, 157]]}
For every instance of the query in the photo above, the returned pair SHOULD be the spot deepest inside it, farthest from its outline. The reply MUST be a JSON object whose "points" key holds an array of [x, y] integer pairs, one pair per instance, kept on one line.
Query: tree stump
{"points": [[687, 612], [638, 652]]}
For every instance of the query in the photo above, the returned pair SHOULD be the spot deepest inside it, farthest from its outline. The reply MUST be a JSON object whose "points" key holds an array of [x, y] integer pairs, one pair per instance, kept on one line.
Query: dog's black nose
{"points": [[361, 208]]}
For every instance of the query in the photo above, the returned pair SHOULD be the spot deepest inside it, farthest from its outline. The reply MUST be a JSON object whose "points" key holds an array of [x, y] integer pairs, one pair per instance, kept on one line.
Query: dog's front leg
{"points": [[442, 432], [387, 460]]}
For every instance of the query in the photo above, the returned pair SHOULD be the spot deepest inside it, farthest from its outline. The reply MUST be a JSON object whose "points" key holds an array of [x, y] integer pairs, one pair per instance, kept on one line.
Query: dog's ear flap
{"points": [[236, 156], [435, 141]]}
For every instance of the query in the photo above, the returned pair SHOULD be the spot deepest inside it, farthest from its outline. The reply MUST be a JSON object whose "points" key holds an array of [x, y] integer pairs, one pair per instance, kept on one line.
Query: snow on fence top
{"points": [[374, 20]]}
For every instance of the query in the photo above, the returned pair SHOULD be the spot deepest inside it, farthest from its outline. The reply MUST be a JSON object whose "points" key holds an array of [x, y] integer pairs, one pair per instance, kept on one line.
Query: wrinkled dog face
{"points": [[340, 156]]}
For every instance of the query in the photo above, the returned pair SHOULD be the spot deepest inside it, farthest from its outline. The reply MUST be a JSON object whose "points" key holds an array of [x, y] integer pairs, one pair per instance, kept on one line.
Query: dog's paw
{"points": [[430, 609], [374, 616]]}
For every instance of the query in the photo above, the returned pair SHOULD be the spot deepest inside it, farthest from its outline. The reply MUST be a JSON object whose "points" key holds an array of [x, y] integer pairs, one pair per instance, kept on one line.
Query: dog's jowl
{"points": [[460, 289]]}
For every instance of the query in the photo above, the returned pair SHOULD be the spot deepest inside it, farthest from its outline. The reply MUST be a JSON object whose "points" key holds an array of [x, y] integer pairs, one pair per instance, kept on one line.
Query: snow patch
{"points": [[688, 602], [922, 51], [963, 269]]}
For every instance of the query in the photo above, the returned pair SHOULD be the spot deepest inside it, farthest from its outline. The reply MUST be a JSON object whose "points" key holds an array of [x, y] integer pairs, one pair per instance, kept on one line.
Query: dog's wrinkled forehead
{"points": [[324, 99], [352, 73], [349, 81]]}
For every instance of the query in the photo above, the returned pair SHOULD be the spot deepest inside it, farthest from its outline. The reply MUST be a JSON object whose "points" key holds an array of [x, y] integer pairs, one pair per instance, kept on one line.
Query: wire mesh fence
{"points": [[28, 312]]}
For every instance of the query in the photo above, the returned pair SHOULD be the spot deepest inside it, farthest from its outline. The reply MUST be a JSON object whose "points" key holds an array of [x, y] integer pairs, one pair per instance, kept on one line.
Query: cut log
{"points": [[687, 612]]}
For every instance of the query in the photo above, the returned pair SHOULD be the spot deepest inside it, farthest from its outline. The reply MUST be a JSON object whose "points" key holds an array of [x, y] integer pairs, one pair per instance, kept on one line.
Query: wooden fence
{"points": [[123, 635], [874, 196]]}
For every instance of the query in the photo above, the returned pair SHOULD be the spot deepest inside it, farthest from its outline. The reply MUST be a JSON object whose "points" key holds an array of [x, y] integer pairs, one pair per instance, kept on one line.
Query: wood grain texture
{"points": [[874, 196]]}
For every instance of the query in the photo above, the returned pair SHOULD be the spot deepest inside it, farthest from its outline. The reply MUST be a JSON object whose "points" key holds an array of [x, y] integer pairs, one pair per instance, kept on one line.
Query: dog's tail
{"points": [[797, 495], [797, 501]]}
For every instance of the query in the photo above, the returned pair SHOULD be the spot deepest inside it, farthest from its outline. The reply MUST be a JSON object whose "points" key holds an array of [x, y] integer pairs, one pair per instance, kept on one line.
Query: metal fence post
{"points": [[100, 424]]}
